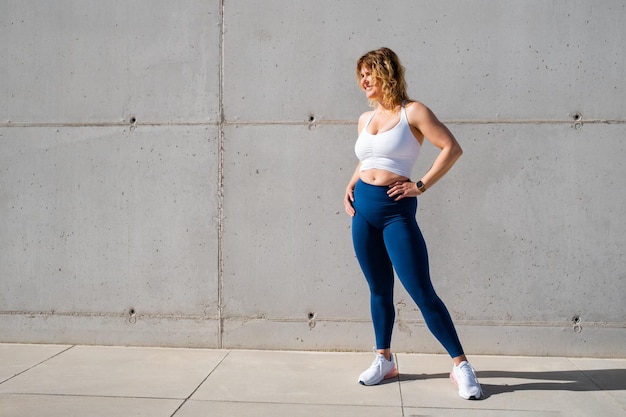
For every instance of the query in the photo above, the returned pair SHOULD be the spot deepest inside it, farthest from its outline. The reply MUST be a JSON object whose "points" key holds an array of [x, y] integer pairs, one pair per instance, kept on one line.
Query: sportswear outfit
{"points": [[386, 236]]}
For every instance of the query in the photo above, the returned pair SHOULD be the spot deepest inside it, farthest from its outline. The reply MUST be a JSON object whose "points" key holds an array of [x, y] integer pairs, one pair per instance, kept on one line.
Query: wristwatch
{"points": [[420, 186]]}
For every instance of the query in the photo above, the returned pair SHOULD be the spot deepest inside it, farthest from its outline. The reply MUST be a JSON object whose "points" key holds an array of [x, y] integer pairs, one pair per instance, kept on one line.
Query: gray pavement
{"points": [[93, 381]]}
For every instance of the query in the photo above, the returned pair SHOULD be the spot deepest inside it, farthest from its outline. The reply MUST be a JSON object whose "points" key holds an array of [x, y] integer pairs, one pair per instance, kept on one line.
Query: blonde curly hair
{"points": [[386, 70]]}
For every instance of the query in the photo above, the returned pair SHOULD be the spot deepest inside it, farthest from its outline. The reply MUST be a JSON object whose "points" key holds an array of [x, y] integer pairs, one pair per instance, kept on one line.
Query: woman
{"points": [[381, 199]]}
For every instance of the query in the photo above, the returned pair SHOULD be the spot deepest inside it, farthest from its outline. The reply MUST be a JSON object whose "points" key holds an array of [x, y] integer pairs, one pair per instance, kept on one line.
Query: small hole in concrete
{"points": [[131, 312], [312, 118], [576, 320], [577, 117], [133, 120], [311, 316]]}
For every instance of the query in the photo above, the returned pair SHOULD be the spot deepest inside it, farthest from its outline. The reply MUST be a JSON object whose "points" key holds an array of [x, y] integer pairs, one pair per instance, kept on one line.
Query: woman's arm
{"points": [[348, 199], [424, 120], [349, 196], [438, 134]]}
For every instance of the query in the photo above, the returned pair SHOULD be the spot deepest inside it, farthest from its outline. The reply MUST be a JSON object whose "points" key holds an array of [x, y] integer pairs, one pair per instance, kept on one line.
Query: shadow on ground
{"points": [[581, 381]]}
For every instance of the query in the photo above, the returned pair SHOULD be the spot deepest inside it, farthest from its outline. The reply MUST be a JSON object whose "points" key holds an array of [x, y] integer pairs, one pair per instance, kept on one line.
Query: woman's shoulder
{"points": [[366, 114], [364, 118], [414, 106], [417, 111]]}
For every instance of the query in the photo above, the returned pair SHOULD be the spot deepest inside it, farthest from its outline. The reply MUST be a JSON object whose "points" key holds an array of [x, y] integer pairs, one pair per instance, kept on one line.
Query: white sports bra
{"points": [[394, 150]]}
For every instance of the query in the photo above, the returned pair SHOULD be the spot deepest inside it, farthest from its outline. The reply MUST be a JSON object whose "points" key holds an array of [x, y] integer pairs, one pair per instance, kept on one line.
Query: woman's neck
{"points": [[388, 110]]}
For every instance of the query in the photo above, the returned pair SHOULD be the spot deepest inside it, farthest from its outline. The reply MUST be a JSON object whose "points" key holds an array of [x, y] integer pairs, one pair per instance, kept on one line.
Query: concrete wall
{"points": [[173, 173]]}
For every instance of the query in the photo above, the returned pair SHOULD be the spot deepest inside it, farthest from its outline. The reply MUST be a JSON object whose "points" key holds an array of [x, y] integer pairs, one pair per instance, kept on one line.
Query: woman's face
{"points": [[369, 85]]}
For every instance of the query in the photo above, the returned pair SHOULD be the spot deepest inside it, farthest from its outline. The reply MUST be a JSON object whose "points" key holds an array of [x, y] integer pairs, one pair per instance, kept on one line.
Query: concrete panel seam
{"points": [[220, 186], [223, 318], [105, 124], [132, 318], [223, 122], [419, 322], [533, 121], [447, 121]]}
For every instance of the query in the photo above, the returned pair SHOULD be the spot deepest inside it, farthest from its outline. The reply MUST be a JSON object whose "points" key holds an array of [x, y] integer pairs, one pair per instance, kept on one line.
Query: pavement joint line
{"points": [[600, 389], [56, 394], [37, 364], [201, 382]]}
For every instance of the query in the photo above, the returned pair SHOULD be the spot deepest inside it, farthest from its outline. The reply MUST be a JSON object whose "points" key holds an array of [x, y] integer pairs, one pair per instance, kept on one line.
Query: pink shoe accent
{"points": [[393, 373], [453, 379]]}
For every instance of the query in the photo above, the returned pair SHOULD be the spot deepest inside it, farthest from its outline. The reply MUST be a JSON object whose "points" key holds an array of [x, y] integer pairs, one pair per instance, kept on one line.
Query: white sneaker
{"points": [[464, 377], [380, 369]]}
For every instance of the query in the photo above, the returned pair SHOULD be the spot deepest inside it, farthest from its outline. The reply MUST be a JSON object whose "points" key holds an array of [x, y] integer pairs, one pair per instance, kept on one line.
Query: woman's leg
{"points": [[407, 250], [372, 255]]}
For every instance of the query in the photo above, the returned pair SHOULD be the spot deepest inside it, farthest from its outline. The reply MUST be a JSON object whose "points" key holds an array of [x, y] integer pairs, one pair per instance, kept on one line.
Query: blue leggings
{"points": [[386, 236]]}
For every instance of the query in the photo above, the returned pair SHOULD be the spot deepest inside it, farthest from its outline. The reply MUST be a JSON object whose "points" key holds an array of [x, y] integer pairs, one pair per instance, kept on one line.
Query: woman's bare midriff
{"points": [[380, 177]]}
